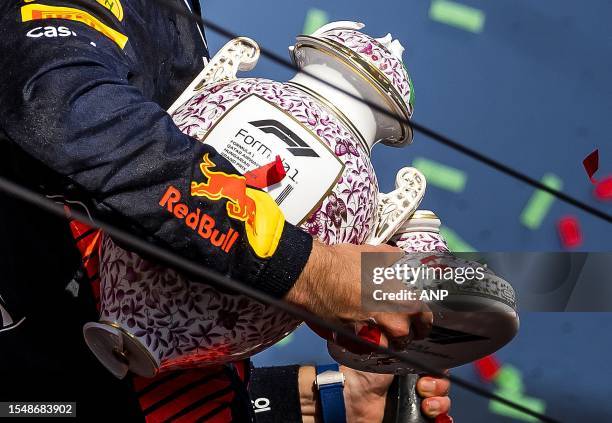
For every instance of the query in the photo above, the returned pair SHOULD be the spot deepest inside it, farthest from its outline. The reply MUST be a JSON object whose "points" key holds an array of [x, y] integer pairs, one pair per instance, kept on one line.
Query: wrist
{"points": [[308, 394], [281, 271], [306, 292]]}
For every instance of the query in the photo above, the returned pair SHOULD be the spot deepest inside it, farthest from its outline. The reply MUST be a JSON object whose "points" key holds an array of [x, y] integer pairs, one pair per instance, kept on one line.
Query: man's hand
{"points": [[365, 395], [436, 401], [330, 287]]}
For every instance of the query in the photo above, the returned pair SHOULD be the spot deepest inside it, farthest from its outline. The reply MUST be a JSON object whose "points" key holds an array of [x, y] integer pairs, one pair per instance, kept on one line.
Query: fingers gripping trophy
{"points": [[153, 319]]}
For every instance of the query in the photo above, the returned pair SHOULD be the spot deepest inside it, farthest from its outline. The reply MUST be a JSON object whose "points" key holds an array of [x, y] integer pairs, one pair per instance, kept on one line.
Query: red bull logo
{"points": [[264, 221], [197, 220], [221, 185]]}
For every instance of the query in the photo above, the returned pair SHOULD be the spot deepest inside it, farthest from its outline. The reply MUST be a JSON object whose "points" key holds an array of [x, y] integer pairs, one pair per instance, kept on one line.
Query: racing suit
{"points": [[83, 89]]}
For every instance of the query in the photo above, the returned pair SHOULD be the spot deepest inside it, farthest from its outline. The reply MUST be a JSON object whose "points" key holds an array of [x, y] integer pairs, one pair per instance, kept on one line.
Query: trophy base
{"points": [[458, 337], [119, 352]]}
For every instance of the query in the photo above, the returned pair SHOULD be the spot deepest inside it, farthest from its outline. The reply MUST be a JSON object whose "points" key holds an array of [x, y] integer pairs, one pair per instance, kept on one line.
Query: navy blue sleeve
{"points": [[66, 100]]}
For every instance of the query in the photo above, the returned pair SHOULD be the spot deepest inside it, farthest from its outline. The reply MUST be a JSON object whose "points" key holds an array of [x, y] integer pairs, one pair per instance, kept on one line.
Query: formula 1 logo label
{"points": [[297, 146], [254, 131], [7, 322]]}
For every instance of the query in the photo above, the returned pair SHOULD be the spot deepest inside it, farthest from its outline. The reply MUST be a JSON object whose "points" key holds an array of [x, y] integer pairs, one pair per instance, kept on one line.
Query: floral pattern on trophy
{"points": [[421, 242], [182, 322], [347, 213], [373, 51]]}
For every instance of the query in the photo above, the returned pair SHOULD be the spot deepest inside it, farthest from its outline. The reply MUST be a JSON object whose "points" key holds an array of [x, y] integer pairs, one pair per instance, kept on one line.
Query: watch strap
{"points": [[331, 396]]}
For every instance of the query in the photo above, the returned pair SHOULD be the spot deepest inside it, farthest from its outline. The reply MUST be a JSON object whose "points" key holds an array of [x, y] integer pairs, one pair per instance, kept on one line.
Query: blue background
{"points": [[532, 90]]}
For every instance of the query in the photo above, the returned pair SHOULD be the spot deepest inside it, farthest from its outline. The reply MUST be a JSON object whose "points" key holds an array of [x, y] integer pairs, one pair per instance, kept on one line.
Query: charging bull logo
{"points": [[264, 221], [223, 185]]}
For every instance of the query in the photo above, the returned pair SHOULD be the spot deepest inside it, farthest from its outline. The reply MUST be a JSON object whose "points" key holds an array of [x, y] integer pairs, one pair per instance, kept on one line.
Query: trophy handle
{"points": [[397, 206], [239, 54]]}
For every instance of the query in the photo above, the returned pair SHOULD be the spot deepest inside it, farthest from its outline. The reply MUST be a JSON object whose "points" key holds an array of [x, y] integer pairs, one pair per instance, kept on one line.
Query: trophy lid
{"points": [[379, 60]]}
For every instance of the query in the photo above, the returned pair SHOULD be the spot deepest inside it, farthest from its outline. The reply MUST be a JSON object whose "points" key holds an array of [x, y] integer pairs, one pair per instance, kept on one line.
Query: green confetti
{"points": [[411, 99], [315, 19], [533, 404], [509, 379], [539, 204], [286, 340], [440, 175], [457, 15], [455, 243]]}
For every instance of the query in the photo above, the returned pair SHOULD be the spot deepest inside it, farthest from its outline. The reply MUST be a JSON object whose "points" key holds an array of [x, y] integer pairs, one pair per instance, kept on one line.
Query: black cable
{"points": [[191, 268], [443, 139]]}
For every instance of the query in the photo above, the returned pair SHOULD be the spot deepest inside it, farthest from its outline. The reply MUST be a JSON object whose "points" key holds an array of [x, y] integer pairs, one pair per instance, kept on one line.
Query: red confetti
{"points": [[487, 367], [371, 334], [266, 175], [368, 333], [569, 232], [603, 190], [591, 164]]}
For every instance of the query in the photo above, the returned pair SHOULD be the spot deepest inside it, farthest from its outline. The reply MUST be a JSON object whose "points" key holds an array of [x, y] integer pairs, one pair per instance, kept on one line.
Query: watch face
{"points": [[330, 384], [329, 377]]}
